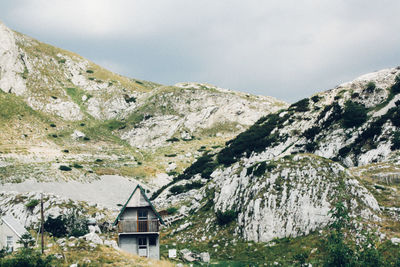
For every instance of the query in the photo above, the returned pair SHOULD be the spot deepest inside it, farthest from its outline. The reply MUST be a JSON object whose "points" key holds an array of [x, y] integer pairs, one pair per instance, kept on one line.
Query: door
{"points": [[142, 220], [142, 246]]}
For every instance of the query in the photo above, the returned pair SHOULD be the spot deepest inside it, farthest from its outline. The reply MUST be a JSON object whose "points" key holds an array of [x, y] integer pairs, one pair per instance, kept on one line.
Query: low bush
{"points": [[70, 224], [226, 217], [300, 106], [260, 169], [311, 132], [396, 141], [370, 87], [32, 204], [89, 71], [55, 226], [77, 166], [64, 168], [177, 189], [315, 98], [354, 114], [172, 210], [173, 139]]}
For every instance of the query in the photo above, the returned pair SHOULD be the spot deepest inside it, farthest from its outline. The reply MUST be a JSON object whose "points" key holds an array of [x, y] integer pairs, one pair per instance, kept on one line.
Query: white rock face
{"points": [[14, 204], [194, 108], [293, 197], [11, 63], [94, 238]]}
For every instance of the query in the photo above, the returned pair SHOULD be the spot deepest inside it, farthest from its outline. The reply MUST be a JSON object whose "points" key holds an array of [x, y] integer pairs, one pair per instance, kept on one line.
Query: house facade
{"points": [[10, 233], [138, 226]]}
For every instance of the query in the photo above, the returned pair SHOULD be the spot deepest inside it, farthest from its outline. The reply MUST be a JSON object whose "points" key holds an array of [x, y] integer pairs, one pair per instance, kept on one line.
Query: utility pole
{"points": [[42, 220]]}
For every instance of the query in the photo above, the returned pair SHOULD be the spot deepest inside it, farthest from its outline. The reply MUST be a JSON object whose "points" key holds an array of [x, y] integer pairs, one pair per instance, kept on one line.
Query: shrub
{"points": [[315, 98], [300, 106], [395, 89], [86, 138], [64, 168], [172, 210], [260, 169], [193, 185], [370, 87], [77, 166], [396, 141], [226, 217], [177, 189], [129, 99], [32, 204], [311, 132], [70, 224], [27, 258], [52, 125], [173, 139], [311, 147], [26, 240], [89, 71], [256, 138], [354, 114], [62, 60], [55, 226]]}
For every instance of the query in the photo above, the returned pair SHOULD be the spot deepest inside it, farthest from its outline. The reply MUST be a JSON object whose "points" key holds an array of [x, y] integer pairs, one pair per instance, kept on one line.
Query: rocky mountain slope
{"points": [[59, 109], [280, 178]]}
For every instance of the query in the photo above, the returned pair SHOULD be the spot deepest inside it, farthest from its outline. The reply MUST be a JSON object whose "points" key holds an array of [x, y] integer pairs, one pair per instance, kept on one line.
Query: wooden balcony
{"points": [[131, 226]]}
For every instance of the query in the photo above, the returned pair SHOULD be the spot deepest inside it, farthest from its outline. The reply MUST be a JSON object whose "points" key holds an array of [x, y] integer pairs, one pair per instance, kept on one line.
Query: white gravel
{"points": [[109, 191]]}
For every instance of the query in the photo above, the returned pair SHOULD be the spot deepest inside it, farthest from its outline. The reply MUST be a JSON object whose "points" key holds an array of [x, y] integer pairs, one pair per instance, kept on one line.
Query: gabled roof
{"points": [[14, 225], [146, 198]]}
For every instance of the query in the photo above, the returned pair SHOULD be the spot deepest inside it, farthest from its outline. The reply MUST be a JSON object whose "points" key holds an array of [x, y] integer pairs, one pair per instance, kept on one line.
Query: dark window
{"points": [[152, 240], [142, 242], [142, 215]]}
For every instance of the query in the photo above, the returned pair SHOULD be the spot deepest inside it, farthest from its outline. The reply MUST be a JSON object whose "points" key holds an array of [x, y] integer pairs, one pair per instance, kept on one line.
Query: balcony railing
{"points": [[129, 226]]}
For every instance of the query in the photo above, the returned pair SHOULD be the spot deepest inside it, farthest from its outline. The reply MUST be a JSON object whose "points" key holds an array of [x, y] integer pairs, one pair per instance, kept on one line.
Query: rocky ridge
{"points": [[56, 103], [271, 188]]}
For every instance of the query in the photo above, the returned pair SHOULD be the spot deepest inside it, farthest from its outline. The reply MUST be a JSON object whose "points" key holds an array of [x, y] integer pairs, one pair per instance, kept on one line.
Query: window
{"points": [[152, 240], [142, 215], [10, 243], [142, 241], [142, 245]]}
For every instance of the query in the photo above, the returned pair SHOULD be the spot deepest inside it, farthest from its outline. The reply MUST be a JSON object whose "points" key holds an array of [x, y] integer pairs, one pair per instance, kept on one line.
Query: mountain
{"points": [[65, 118], [282, 176]]}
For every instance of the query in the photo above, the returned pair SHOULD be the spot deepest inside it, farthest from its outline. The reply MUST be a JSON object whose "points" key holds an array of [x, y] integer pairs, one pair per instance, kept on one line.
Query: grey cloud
{"points": [[287, 49]]}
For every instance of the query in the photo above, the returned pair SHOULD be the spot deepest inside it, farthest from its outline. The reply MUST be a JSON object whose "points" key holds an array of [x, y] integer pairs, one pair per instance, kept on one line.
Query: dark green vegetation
{"points": [[64, 168], [347, 246], [70, 224], [367, 138], [32, 204], [302, 105], [26, 256], [179, 189], [226, 217], [256, 139], [354, 114]]}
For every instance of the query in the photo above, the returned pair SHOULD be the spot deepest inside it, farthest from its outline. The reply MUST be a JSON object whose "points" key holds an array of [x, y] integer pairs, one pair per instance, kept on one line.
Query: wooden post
{"points": [[42, 220]]}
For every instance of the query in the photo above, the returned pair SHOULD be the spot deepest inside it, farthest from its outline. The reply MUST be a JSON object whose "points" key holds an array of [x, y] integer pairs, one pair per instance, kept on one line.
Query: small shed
{"points": [[10, 233], [138, 226]]}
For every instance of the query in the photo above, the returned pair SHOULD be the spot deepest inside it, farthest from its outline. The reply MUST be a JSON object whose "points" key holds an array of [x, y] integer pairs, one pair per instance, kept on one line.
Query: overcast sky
{"points": [[288, 49]]}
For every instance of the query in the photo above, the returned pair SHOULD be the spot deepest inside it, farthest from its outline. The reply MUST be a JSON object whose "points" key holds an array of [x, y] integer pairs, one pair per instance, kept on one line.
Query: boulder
{"points": [[94, 238]]}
